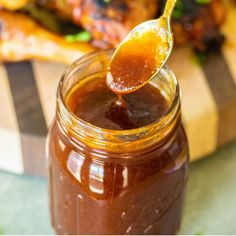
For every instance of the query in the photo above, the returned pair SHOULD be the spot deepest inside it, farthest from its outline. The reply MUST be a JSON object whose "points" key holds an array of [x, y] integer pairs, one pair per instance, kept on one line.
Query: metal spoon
{"points": [[142, 54]]}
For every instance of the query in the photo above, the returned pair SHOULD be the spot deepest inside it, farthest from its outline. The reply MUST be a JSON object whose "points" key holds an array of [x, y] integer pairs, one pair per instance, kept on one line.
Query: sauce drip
{"points": [[96, 104]]}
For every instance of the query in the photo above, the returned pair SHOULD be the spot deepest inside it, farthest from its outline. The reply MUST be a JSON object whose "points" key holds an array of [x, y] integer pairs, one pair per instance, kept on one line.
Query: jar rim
{"points": [[154, 126]]}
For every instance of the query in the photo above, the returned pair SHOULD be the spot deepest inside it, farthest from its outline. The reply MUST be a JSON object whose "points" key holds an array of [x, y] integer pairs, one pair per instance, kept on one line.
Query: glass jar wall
{"points": [[116, 181]]}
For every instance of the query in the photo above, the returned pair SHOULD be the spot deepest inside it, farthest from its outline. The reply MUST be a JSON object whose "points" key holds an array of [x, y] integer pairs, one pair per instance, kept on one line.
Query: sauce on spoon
{"points": [[142, 54]]}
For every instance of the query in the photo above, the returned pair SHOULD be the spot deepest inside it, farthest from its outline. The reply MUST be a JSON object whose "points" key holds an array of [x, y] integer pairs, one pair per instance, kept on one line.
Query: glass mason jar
{"points": [[116, 181]]}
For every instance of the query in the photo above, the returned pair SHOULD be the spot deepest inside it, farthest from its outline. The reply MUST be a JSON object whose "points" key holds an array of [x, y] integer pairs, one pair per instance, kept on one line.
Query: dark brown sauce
{"points": [[95, 103], [136, 62]]}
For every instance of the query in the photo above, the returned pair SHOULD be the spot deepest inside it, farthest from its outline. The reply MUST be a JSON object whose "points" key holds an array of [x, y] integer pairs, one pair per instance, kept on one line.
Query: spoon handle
{"points": [[169, 7]]}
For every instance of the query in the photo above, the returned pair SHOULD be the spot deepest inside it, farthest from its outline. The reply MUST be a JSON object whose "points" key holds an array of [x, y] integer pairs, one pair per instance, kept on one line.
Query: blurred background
{"points": [[39, 38]]}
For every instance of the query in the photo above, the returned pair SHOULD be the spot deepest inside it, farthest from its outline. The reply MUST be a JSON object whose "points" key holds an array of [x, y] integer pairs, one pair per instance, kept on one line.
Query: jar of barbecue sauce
{"points": [[116, 169]]}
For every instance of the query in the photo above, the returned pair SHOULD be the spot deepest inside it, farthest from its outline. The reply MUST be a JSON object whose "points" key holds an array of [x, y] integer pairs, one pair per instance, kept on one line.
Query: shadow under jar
{"points": [[105, 181]]}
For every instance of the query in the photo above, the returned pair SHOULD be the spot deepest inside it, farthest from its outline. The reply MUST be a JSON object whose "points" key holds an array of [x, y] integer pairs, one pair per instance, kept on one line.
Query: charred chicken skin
{"points": [[200, 24], [108, 22]]}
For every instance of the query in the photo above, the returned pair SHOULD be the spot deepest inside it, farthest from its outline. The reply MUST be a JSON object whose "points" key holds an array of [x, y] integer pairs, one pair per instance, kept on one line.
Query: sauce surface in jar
{"points": [[96, 104]]}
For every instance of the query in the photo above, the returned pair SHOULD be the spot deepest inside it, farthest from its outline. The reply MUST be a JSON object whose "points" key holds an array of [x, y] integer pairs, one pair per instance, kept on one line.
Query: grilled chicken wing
{"points": [[107, 21], [200, 25], [110, 21], [21, 39]]}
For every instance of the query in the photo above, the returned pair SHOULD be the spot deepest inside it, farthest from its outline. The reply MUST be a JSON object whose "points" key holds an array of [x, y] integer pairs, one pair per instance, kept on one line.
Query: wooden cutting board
{"points": [[28, 96]]}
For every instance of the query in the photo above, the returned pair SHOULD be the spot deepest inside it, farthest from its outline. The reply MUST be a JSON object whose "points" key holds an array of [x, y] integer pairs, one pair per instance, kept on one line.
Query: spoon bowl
{"points": [[142, 54]]}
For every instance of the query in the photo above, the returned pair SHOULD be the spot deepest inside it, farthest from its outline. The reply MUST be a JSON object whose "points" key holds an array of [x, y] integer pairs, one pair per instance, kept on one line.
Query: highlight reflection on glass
{"points": [[96, 175]]}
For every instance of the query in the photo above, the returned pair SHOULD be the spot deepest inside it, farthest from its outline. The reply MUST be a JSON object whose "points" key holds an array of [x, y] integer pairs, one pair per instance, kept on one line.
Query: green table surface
{"points": [[210, 202]]}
